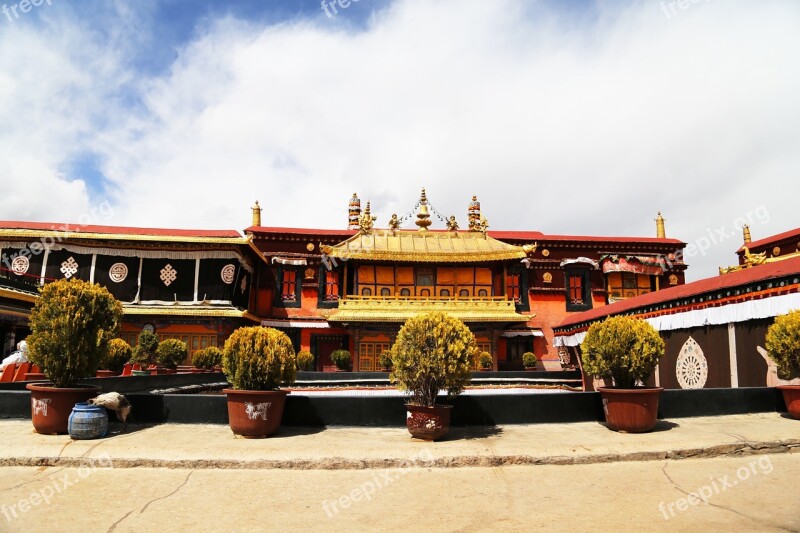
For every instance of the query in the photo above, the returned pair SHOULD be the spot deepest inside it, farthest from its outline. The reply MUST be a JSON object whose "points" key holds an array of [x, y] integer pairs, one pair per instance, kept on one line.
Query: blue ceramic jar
{"points": [[87, 421]]}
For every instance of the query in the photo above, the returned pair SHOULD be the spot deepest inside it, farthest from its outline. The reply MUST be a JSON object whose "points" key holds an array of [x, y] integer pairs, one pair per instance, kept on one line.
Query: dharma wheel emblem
{"points": [[691, 368], [118, 272], [168, 275], [69, 267], [228, 273], [20, 265]]}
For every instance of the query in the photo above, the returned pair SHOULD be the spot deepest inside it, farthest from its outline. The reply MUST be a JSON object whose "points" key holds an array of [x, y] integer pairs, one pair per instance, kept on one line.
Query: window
{"points": [[463, 293], [512, 287], [578, 290], [425, 277], [444, 292], [425, 292], [483, 293], [385, 292], [622, 285], [405, 292], [289, 286], [366, 291], [331, 286]]}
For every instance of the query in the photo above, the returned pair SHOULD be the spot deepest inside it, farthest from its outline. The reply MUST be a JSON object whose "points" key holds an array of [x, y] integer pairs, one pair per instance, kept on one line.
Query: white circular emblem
{"points": [[20, 265], [228, 273], [118, 272], [691, 369]]}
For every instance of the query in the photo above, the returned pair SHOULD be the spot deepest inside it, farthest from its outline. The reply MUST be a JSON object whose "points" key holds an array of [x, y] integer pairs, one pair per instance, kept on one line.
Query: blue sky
{"points": [[568, 117]]}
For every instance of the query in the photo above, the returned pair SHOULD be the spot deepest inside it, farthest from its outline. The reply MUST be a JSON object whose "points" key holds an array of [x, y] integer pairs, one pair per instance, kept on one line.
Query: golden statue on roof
{"points": [[366, 221]]}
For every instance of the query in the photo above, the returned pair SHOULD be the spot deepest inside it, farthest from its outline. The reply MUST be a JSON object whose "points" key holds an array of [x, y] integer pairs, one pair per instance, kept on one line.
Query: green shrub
{"points": [[72, 324], [783, 344], [207, 358], [624, 348], [145, 351], [171, 353], [341, 358], [529, 360], [485, 360], [119, 353], [305, 360], [385, 359], [433, 352], [258, 358]]}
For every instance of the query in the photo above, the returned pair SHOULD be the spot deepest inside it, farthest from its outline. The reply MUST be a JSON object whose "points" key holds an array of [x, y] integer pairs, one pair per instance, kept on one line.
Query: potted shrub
{"points": [[207, 359], [625, 350], [485, 361], [529, 361], [119, 353], [72, 323], [171, 353], [145, 352], [341, 358], [385, 360], [257, 361], [783, 346], [433, 352], [305, 360]]}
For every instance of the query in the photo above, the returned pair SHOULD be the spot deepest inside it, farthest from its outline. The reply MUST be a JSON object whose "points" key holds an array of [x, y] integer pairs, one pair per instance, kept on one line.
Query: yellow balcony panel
{"points": [[365, 309]]}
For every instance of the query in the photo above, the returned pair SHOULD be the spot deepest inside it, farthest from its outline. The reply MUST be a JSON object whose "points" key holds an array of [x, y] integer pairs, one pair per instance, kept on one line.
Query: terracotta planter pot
{"points": [[255, 414], [428, 423], [51, 406], [106, 374], [791, 395], [631, 410]]}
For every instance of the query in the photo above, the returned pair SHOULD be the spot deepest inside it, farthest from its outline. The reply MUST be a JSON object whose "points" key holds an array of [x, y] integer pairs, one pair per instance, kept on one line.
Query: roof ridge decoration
{"points": [[751, 260]]}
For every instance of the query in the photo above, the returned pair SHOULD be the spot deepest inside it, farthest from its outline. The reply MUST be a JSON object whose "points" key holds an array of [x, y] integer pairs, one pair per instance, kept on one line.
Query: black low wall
{"points": [[131, 384], [481, 410]]}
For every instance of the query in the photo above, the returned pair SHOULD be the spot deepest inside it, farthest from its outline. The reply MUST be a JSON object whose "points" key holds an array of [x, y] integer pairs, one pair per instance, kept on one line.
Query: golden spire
{"points": [[366, 221], [746, 234], [474, 214], [423, 217], [256, 214], [660, 232]]}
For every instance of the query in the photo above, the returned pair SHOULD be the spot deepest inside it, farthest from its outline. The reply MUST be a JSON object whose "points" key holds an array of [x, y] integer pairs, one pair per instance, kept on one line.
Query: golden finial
{"points": [[256, 214], [660, 232], [366, 221], [746, 234], [423, 217]]}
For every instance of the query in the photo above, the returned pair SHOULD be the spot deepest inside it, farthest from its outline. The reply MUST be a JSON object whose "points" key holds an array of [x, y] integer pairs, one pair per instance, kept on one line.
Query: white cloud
{"points": [[558, 127]]}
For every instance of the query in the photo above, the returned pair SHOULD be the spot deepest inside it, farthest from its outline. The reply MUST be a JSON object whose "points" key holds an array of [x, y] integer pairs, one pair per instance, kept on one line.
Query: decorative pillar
{"points": [[746, 234], [474, 214]]}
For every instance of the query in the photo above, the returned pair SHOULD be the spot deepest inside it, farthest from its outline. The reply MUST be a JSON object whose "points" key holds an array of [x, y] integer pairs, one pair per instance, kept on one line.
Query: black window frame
{"points": [[584, 274], [322, 301], [298, 287], [524, 303]]}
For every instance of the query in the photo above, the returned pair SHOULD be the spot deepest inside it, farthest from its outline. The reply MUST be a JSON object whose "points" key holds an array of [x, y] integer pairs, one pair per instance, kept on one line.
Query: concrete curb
{"points": [[340, 463]]}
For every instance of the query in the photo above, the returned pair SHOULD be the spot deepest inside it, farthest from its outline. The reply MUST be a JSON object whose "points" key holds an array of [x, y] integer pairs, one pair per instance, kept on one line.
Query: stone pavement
{"points": [[214, 446]]}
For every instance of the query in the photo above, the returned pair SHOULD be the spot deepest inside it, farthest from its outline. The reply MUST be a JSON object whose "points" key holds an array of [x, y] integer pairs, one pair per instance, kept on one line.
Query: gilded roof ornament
{"points": [[354, 213], [452, 224], [474, 214], [660, 231], [394, 223], [423, 216], [256, 214], [366, 221]]}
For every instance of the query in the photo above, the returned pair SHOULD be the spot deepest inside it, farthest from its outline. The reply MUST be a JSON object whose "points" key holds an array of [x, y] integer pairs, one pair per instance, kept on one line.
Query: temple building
{"points": [[353, 288], [193, 285], [714, 329]]}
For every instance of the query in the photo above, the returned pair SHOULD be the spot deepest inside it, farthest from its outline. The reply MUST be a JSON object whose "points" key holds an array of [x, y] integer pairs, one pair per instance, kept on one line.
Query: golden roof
{"points": [[182, 310], [424, 247], [378, 309]]}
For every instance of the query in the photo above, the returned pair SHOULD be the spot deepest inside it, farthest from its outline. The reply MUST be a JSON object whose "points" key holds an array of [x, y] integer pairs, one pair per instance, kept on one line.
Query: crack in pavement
{"points": [[722, 507], [143, 509]]}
